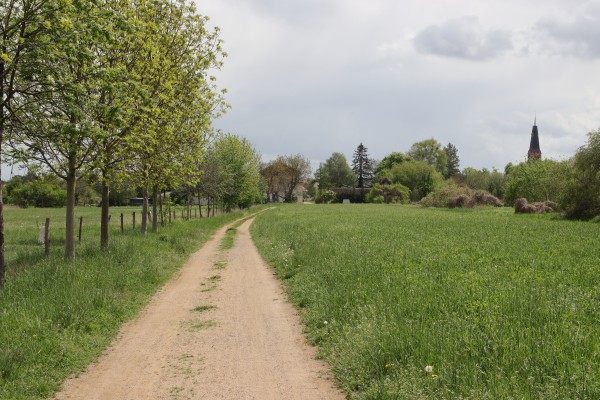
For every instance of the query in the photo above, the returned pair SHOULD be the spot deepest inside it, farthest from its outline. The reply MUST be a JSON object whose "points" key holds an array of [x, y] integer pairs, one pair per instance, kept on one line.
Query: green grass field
{"points": [[57, 316], [499, 305]]}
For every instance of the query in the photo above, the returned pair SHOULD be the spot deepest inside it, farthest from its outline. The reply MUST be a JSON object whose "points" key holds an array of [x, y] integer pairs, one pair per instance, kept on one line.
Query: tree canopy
{"points": [[537, 180], [582, 196], [338, 171], [284, 175], [431, 152]]}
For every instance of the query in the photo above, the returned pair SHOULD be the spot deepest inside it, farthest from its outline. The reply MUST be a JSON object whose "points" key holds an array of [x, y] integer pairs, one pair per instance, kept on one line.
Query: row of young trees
{"points": [[119, 89]]}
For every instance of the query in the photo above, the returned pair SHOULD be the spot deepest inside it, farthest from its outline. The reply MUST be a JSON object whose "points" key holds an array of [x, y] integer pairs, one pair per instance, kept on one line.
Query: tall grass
{"points": [[500, 305], [56, 316]]}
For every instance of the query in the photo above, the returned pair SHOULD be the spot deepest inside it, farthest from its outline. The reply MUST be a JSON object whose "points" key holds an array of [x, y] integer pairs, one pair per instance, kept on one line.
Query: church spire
{"points": [[534, 152]]}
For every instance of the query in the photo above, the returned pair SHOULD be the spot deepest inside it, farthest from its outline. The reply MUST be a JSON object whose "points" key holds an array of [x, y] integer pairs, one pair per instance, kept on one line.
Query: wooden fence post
{"points": [[121, 222], [169, 214], [80, 227], [134, 220], [47, 237]]}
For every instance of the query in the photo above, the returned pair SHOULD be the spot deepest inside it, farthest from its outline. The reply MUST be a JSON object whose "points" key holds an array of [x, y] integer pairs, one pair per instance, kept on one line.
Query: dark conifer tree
{"points": [[362, 166], [453, 162]]}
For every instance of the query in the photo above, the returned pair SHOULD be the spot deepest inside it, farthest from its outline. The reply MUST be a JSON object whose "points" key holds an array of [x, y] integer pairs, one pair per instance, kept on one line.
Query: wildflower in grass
{"points": [[325, 322], [429, 369], [389, 365]]}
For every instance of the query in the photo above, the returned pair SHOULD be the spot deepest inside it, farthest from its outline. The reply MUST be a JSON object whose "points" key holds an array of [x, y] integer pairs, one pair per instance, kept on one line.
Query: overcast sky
{"points": [[320, 76]]}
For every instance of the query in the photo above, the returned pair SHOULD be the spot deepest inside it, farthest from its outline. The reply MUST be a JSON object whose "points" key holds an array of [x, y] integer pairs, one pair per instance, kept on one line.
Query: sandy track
{"points": [[248, 344]]}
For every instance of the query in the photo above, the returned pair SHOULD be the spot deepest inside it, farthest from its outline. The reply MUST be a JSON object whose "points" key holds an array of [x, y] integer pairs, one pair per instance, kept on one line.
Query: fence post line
{"points": [[80, 227], [47, 237], [134, 220]]}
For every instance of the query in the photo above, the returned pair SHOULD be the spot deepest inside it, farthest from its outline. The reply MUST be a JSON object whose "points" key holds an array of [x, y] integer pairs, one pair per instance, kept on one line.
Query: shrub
{"points": [[483, 198], [582, 196], [523, 207], [453, 196], [520, 205], [39, 193], [459, 201], [324, 197], [384, 193], [446, 196], [355, 195], [538, 180]]}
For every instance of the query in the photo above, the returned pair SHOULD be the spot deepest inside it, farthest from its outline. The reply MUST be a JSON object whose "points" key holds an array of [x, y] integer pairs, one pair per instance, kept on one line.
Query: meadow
{"points": [[413, 303], [57, 316]]}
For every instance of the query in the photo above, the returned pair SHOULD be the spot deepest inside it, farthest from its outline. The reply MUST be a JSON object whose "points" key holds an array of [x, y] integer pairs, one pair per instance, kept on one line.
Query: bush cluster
{"points": [[355, 195], [325, 197], [453, 196], [39, 193], [540, 207], [385, 192]]}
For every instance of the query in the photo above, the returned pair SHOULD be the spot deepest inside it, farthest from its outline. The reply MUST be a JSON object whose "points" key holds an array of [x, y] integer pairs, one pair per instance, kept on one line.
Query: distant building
{"points": [[139, 201], [534, 152]]}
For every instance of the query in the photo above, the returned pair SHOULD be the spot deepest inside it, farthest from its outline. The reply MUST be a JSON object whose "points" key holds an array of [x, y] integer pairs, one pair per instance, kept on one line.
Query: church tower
{"points": [[534, 152]]}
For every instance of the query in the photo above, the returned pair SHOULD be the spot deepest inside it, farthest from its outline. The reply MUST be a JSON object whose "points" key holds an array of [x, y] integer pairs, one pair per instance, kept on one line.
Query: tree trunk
{"points": [[200, 204], [70, 223], [145, 211], [104, 221], [155, 210], [2, 267], [2, 127], [162, 216]]}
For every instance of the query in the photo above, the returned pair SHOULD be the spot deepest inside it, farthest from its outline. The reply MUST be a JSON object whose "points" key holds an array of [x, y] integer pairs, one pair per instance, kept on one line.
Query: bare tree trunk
{"points": [[70, 223], [155, 210], [104, 221]]}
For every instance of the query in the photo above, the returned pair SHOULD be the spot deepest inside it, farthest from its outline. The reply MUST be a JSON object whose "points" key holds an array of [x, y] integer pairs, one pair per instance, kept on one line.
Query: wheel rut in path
{"points": [[221, 329]]}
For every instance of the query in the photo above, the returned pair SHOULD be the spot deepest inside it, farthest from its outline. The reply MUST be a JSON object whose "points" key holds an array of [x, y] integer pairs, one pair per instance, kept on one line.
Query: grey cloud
{"points": [[293, 11], [580, 37], [463, 37]]}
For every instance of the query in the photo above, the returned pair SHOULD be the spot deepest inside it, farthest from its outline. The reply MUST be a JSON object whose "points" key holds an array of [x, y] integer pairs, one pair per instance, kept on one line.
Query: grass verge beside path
{"points": [[56, 317], [499, 305]]}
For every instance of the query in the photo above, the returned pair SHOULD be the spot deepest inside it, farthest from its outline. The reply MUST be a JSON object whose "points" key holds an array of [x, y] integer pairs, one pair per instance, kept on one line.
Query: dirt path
{"points": [[220, 330]]}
